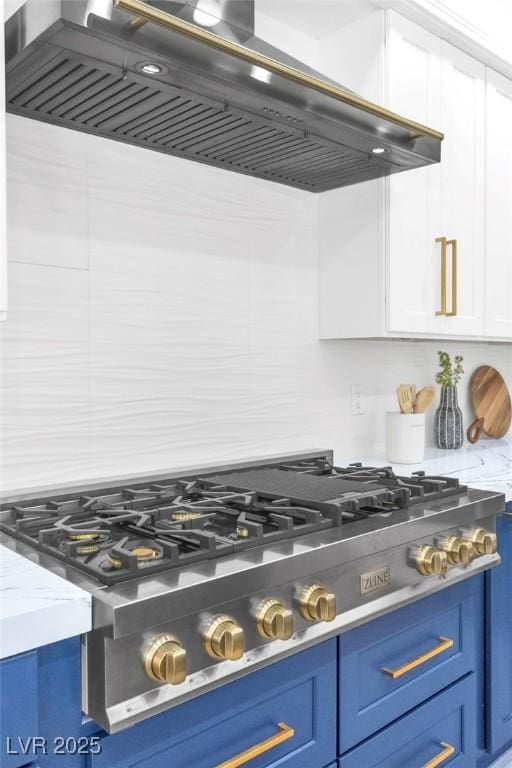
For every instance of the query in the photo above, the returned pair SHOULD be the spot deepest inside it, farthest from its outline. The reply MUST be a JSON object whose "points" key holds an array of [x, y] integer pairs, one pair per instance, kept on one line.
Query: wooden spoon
{"points": [[424, 399], [404, 398]]}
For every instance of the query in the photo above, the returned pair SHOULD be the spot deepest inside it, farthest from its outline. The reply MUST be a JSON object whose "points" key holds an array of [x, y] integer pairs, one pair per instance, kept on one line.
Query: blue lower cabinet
{"points": [[440, 732], [400, 660], [499, 642], [18, 709], [294, 700], [40, 712]]}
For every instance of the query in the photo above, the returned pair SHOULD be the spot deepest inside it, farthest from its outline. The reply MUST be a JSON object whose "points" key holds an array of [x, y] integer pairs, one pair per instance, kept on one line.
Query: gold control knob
{"points": [[459, 551], [431, 561], [224, 639], [317, 604], [165, 660], [484, 542], [274, 620]]}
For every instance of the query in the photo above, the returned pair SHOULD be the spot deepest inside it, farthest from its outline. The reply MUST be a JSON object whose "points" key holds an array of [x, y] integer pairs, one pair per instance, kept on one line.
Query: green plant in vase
{"points": [[449, 427]]}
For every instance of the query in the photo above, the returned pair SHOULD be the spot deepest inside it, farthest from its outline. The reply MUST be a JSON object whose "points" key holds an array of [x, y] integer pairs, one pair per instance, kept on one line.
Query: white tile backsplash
{"points": [[44, 381], [163, 314], [47, 200]]}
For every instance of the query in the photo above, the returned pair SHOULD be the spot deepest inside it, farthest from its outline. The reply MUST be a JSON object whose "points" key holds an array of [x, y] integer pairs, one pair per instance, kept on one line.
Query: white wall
{"points": [[163, 313]]}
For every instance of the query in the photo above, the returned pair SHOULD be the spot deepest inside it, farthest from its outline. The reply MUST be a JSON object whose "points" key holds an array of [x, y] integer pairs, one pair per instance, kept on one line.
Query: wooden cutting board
{"points": [[491, 404]]}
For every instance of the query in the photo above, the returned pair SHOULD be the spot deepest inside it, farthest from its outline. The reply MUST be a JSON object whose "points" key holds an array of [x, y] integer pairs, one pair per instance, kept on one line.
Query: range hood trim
{"points": [[144, 13]]}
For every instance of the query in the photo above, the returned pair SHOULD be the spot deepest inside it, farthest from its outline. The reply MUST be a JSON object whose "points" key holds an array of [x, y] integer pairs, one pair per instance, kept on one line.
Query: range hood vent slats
{"points": [[107, 89], [225, 133], [275, 148], [224, 126], [244, 138], [256, 138], [178, 116], [205, 118], [113, 114], [60, 100], [92, 85], [152, 126], [133, 121]]}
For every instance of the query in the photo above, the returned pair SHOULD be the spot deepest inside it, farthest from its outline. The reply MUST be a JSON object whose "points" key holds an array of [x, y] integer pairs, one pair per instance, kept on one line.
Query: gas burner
{"points": [[83, 536], [183, 515], [132, 554]]}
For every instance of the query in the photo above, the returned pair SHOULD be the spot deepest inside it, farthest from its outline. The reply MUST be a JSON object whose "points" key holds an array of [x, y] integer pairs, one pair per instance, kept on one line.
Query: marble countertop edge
{"points": [[37, 607]]}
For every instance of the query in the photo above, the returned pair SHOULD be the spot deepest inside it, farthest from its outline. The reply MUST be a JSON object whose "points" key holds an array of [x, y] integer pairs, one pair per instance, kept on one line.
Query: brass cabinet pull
{"points": [[283, 734], [447, 751], [453, 244], [443, 645], [443, 312], [144, 13]]}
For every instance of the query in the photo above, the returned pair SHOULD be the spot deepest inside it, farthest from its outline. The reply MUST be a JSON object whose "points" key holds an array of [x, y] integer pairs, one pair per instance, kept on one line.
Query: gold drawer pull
{"points": [[284, 733], [444, 644], [447, 751]]}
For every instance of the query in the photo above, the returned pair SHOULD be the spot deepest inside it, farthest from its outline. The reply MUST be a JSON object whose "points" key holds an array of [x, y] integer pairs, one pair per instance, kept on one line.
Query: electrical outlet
{"points": [[357, 400]]}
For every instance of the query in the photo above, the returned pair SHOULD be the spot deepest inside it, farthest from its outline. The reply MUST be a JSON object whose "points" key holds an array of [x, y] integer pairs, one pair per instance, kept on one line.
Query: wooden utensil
{"points": [[491, 404], [404, 398], [424, 399]]}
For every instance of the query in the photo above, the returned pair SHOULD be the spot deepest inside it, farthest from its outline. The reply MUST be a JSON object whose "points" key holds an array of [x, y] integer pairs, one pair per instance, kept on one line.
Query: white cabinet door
{"points": [[498, 251], [437, 84], [413, 198], [462, 172]]}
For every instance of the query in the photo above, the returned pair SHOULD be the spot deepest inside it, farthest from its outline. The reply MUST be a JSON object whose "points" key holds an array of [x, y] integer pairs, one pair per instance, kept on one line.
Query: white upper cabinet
{"points": [[498, 257], [463, 186], [435, 243], [428, 266], [413, 88]]}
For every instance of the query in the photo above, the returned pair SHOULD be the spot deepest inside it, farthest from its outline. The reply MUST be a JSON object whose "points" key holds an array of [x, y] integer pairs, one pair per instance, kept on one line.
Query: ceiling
{"points": [[315, 17]]}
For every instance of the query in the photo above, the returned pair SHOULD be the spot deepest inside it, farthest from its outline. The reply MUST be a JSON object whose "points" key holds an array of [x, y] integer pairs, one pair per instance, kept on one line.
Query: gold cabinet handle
{"points": [[283, 734], [447, 751], [453, 244], [443, 312], [443, 645]]}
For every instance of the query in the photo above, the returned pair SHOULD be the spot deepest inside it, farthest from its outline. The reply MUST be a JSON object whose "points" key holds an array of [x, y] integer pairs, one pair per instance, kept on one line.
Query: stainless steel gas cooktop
{"points": [[142, 529], [203, 576]]}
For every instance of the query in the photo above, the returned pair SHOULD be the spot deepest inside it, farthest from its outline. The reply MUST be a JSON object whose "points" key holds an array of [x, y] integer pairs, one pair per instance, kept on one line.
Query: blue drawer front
{"points": [[499, 642], [369, 698], [18, 709], [447, 719], [40, 703], [300, 691]]}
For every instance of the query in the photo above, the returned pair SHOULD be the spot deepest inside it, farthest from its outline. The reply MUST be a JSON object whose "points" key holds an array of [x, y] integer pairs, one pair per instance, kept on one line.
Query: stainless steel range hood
{"points": [[132, 71]]}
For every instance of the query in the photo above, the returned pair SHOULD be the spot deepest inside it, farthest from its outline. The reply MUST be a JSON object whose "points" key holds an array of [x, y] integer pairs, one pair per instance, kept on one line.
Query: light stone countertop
{"points": [[37, 607], [486, 465]]}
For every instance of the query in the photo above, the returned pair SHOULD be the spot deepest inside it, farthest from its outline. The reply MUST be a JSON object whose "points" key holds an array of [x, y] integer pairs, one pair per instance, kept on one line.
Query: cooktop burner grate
{"points": [[125, 533]]}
